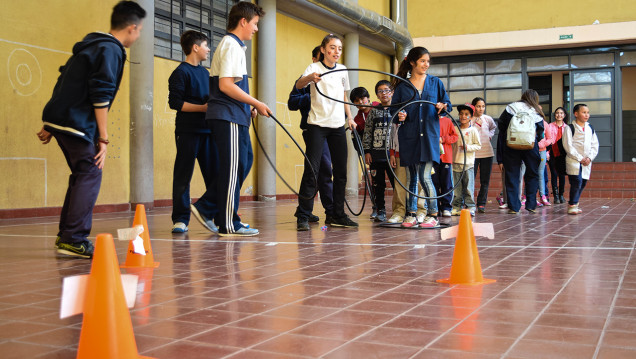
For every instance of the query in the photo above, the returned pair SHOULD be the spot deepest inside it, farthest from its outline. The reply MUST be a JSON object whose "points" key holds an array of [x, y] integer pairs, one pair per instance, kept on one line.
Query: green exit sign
{"points": [[566, 37]]}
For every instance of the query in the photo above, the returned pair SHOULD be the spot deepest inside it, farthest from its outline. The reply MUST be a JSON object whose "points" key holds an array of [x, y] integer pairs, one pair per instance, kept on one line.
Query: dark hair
{"points": [[191, 38], [566, 117], [405, 66], [382, 82], [315, 52], [126, 13], [531, 98], [358, 93], [477, 99], [243, 10], [578, 106], [324, 43]]}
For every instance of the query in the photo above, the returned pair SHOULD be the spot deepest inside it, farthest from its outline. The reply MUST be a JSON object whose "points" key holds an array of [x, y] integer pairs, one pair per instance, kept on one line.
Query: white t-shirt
{"points": [[325, 112], [229, 59]]}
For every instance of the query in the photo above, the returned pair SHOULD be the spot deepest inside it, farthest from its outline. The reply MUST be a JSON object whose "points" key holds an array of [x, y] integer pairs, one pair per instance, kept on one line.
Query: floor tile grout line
{"points": [[613, 304], [523, 334]]}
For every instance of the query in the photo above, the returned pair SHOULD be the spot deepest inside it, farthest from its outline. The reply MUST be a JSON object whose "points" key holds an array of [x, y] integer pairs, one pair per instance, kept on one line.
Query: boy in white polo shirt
{"points": [[229, 116]]}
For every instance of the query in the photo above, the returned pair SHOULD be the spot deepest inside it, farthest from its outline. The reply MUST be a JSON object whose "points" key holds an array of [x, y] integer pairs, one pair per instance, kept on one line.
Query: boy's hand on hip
{"points": [[44, 136], [100, 158]]}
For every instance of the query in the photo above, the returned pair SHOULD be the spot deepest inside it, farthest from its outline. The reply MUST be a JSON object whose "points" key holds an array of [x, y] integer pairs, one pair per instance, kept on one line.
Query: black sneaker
{"points": [[302, 224], [328, 220], [57, 242], [481, 209], [381, 217], [83, 249], [344, 222], [313, 218]]}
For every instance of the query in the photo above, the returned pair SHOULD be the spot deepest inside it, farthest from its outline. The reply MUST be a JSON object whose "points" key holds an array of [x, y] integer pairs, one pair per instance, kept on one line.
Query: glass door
{"points": [[595, 88]]}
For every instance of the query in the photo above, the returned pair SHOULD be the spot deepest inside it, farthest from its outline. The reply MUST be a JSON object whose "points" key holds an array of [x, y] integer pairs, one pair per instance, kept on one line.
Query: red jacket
{"points": [[449, 136]]}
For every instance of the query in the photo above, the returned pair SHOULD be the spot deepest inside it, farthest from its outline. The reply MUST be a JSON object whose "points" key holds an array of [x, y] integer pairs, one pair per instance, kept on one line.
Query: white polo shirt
{"points": [[325, 112]]}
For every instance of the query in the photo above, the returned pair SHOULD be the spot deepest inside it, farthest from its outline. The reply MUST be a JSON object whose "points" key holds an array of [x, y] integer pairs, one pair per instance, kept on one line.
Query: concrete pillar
{"points": [[351, 60], [141, 56], [267, 93]]}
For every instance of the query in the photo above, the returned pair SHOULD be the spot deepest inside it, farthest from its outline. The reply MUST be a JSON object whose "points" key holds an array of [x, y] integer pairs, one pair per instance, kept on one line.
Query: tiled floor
{"points": [[566, 288]]}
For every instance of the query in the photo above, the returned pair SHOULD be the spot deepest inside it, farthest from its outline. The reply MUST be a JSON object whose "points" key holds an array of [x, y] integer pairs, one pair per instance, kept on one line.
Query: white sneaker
{"points": [[446, 213], [429, 222], [410, 221], [396, 218], [420, 217], [456, 212], [179, 227], [503, 206]]}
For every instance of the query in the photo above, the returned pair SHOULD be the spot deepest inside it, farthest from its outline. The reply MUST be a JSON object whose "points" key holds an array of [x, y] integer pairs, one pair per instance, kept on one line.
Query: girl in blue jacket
{"points": [[419, 132]]}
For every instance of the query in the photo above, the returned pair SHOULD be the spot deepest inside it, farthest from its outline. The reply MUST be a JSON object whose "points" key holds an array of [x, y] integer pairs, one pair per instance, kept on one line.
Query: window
{"points": [[173, 17]]}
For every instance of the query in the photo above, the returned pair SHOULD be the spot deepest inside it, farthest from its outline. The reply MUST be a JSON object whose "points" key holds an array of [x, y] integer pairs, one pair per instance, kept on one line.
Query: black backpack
{"points": [[560, 141]]}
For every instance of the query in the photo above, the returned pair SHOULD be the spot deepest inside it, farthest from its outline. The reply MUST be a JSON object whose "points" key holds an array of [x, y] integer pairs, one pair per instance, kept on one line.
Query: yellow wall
{"points": [[382, 7], [453, 17], [36, 38]]}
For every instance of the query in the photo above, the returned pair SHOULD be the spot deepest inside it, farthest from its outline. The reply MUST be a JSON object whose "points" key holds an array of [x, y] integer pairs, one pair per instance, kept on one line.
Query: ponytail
{"points": [[406, 67]]}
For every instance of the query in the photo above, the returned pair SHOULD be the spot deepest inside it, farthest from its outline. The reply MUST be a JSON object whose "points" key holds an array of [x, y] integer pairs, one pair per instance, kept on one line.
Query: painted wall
{"points": [[508, 15], [36, 38]]}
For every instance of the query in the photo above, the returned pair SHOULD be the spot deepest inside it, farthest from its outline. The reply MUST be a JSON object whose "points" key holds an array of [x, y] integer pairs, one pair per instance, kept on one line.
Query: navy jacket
{"points": [[189, 84], [419, 134], [90, 79], [300, 100]]}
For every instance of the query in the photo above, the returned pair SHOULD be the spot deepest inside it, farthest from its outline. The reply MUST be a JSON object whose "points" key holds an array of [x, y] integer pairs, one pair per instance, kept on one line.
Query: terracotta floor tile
{"points": [[350, 293]]}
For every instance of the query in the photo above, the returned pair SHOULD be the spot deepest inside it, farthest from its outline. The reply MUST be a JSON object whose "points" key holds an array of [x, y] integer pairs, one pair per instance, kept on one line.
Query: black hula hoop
{"points": [[374, 71], [367, 186], [274, 167], [387, 145]]}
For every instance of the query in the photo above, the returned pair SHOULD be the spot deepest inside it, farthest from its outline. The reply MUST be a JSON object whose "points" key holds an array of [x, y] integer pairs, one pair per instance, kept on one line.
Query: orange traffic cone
{"points": [[107, 330], [134, 260], [466, 268]]}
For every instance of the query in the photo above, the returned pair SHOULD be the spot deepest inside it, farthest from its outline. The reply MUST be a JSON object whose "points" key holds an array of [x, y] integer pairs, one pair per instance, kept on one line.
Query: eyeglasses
{"points": [[384, 92]]}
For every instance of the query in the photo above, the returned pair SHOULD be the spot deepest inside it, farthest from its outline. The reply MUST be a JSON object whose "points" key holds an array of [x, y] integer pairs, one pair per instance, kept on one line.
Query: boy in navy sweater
{"points": [[229, 117], [77, 115], [189, 90]]}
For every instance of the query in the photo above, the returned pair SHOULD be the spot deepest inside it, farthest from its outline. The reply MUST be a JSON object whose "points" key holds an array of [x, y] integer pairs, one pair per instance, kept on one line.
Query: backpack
{"points": [[521, 130], [560, 141]]}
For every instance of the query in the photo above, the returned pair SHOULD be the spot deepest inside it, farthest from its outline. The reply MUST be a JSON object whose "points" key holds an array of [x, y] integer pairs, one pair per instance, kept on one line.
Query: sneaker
{"points": [[472, 212], [373, 214], [545, 201], [500, 201], [481, 209], [429, 222], [302, 224], [344, 222], [246, 225], [396, 218], [456, 212], [57, 242], [446, 213], [328, 219], [381, 217], [503, 206], [573, 209], [312, 218], [539, 204], [531, 210], [83, 250], [561, 198], [179, 227], [242, 232], [512, 212], [410, 221], [208, 224], [523, 199], [420, 217]]}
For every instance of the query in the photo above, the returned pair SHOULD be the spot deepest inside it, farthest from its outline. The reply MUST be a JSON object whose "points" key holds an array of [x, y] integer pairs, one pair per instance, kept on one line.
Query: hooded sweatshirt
{"points": [[89, 80]]}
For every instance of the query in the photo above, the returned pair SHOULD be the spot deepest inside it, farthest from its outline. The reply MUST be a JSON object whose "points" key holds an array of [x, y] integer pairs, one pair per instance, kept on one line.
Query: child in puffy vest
{"points": [[581, 145]]}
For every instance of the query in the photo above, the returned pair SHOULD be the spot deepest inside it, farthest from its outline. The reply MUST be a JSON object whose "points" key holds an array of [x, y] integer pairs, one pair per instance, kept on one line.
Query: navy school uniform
{"points": [[193, 138], [229, 121]]}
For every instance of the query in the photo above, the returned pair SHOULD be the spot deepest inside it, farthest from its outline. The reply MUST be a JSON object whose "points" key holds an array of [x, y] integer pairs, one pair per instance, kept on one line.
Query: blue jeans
{"points": [[423, 173], [577, 184], [465, 191], [542, 172]]}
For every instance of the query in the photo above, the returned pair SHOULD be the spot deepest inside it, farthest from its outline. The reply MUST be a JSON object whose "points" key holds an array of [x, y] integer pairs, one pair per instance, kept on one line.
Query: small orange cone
{"points": [[466, 268], [135, 260], [107, 330]]}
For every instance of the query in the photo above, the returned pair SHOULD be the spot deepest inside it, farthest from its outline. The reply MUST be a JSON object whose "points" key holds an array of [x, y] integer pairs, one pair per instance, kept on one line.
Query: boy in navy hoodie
{"points": [[77, 115], [189, 86]]}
